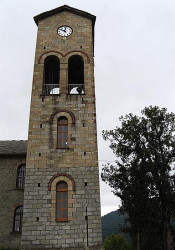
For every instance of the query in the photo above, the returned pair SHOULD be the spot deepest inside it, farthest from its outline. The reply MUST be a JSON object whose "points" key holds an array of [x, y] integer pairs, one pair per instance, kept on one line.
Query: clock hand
{"points": [[63, 29]]}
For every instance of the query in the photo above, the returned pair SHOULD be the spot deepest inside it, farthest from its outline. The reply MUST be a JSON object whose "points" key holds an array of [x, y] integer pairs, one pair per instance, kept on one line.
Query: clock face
{"points": [[64, 30]]}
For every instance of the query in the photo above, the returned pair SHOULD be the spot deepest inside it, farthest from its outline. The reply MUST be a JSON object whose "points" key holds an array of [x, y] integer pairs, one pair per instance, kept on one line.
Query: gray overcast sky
{"points": [[134, 63]]}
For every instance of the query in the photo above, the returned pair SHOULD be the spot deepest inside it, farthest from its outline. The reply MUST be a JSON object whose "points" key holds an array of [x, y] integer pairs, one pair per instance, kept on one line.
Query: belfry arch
{"points": [[51, 83], [76, 75]]}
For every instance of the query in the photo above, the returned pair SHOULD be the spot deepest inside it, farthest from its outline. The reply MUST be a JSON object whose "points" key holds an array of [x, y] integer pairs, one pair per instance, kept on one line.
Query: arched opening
{"points": [[61, 201], [51, 75], [18, 214], [62, 137], [76, 75], [20, 180]]}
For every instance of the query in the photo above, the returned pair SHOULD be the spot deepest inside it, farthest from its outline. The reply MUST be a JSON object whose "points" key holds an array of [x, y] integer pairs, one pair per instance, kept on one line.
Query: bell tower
{"points": [[61, 199]]}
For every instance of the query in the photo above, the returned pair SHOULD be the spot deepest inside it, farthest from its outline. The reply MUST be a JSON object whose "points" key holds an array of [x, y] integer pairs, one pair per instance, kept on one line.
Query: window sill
{"points": [[49, 95], [62, 148], [62, 220], [18, 233], [43, 95], [76, 94], [18, 189]]}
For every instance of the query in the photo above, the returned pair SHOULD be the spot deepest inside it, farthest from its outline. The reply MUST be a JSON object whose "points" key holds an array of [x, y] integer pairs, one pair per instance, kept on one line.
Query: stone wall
{"points": [[10, 198], [79, 160], [39, 226]]}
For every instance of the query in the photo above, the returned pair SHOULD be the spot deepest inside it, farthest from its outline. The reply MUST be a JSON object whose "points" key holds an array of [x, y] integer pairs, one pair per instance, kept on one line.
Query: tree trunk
{"points": [[138, 240], [167, 237]]}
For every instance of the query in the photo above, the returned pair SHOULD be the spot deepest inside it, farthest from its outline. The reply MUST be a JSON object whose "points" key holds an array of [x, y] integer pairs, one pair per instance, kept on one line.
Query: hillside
{"points": [[112, 223]]}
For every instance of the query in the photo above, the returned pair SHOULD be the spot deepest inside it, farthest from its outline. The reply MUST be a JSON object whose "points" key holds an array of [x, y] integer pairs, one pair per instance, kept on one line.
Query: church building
{"points": [[50, 195]]}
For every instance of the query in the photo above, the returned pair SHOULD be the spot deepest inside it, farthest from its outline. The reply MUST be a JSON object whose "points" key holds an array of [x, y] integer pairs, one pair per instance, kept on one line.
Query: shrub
{"points": [[116, 242]]}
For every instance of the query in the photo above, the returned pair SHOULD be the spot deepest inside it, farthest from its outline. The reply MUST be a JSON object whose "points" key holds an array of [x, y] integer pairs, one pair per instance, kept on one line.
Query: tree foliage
{"points": [[143, 175], [116, 242]]}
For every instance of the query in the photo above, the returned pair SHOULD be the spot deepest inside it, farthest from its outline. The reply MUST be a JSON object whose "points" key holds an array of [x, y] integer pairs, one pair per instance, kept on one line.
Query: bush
{"points": [[116, 242]]}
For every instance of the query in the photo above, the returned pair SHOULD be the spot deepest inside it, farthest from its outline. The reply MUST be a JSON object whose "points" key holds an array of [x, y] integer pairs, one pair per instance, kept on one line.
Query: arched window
{"points": [[18, 214], [51, 75], [61, 201], [62, 138], [20, 180], [76, 75]]}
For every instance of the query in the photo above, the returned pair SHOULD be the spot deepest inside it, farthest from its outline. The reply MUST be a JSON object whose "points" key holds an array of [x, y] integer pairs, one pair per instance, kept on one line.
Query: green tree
{"points": [[143, 176], [116, 242]]}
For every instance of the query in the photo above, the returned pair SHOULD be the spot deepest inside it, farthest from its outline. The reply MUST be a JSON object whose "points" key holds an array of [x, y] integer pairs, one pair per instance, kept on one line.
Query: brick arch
{"points": [[22, 163], [49, 53], [19, 164], [15, 206], [53, 52], [59, 111], [73, 52], [58, 175]]}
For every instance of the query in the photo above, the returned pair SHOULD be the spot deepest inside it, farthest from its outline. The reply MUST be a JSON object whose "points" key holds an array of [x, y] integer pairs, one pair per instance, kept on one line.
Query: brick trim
{"points": [[79, 51], [59, 111], [19, 164], [58, 175], [51, 51], [64, 55], [15, 206]]}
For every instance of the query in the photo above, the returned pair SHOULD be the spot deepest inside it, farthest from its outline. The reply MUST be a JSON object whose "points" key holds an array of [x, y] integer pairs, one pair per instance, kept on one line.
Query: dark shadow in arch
{"points": [[76, 75], [51, 76]]}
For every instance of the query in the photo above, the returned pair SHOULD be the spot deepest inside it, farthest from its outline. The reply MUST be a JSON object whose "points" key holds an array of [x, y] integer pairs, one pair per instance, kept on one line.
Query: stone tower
{"points": [[61, 198]]}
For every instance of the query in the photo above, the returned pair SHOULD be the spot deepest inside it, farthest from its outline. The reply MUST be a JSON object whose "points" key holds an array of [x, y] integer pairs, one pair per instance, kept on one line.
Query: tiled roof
{"points": [[13, 148]]}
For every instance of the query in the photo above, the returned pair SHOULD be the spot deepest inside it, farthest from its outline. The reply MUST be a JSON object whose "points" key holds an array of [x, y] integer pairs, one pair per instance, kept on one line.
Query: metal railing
{"points": [[51, 89], [76, 89]]}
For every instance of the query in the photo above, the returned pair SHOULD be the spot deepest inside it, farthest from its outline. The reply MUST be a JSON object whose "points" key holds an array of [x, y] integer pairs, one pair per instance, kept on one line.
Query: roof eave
{"points": [[12, 155], [61, 9]]}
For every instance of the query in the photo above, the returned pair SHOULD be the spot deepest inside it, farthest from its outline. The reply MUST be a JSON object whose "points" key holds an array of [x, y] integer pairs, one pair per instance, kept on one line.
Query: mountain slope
{"points": [[113, 223]]}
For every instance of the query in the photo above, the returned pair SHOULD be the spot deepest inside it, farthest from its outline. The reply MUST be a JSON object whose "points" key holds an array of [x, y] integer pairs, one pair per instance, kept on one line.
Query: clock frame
{"points": [[64, 31]]}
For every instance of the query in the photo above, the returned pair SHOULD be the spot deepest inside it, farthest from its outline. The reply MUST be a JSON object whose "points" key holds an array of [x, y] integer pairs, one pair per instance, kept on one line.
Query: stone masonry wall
{"points": [[79, 160], [48, 233], [10, 198]]}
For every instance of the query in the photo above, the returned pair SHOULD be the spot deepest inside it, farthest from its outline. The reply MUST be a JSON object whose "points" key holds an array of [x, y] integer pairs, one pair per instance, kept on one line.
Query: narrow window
{"points": [[20, 180], [18, 214], [61, 201], [76, 75], [62, 132], [51, 76]]}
